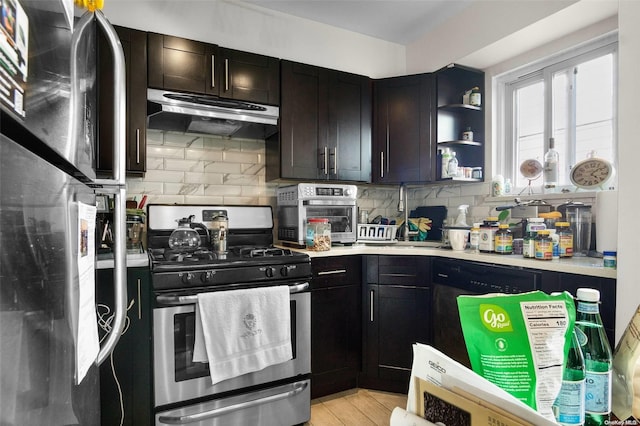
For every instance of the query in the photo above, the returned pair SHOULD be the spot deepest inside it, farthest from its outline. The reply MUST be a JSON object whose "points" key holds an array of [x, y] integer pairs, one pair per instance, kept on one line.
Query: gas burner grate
{"points": [[264, 252], [194, 256]]}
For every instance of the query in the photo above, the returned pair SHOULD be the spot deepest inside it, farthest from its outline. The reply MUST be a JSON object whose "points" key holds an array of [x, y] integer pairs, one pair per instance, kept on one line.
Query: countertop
{"points": [[134, 260], [591, 266]]}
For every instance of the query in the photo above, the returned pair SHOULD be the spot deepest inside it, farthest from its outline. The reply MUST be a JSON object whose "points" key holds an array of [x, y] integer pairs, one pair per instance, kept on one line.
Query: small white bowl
{"points": [[458, 238]]}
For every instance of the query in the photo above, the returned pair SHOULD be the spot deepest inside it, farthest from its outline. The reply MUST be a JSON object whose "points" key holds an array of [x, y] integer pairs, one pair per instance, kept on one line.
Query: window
{"points": [[571, 98]]}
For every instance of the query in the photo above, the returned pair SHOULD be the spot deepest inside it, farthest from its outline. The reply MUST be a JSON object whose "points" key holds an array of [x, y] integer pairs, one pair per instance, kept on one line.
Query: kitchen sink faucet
{"points": [[403, 208]]}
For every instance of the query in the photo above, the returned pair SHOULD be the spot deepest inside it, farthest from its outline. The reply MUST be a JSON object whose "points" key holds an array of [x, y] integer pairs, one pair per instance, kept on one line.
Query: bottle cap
{"points": [[609, 253], [544, 232], [562, 224], [503, 226], [588, 294]]}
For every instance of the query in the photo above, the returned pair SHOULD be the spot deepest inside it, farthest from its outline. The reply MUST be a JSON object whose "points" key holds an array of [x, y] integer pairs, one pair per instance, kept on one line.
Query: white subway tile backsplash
{"points": [[143, 187], [223, 190], [184, 165], [203, 199], [164, 176], [156, 163], [221, 167], [183, 189], [205, 178], [192, 168], [185, 140], [202, 154], [241, 157], [239, 179], [162, 151]]}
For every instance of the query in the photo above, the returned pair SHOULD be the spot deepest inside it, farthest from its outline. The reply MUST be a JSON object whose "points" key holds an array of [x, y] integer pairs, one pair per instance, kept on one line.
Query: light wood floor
{"points": [[357, 407]]}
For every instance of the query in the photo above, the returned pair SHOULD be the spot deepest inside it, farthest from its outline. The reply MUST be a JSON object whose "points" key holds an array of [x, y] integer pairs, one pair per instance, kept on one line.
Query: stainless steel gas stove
{"points": [[278, 394]]}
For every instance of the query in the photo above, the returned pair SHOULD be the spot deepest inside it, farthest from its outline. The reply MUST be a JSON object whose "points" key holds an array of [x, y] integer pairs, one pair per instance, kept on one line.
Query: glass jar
{"points": [[318, 235], [474, 239], [528, 245], [503, 240], [565, 239], [544, 245], [488, 230]]}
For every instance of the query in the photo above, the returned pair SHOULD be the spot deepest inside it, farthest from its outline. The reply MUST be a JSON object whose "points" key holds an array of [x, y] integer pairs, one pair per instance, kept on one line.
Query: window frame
{"points": [[505, 86]]}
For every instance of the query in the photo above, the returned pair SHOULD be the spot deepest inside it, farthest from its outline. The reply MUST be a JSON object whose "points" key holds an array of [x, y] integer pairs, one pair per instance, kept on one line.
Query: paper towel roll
{"points": [[606, 221], [400, 417]]}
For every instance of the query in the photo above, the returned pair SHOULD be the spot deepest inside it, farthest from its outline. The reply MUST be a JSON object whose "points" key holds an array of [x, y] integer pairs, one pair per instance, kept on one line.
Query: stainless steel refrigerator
{"points": [[48, 122]]}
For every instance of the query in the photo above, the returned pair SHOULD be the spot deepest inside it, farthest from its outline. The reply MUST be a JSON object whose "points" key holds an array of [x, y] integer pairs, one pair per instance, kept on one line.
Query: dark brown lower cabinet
{"points": [[558, 281], [131, 361], [335, 324], [396, 314]]}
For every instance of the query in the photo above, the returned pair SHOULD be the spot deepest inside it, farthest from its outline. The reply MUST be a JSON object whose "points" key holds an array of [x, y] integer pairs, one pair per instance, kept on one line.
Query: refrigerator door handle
{"points": [[116, 185]]}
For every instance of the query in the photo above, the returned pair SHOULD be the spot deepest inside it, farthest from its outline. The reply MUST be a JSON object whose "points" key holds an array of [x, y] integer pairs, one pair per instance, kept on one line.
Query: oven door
{"points": [[342, 218], [286, 404], [178, 379]]}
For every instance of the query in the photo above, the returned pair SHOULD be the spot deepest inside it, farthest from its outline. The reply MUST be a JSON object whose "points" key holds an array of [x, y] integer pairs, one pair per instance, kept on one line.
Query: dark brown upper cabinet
{"points": [[196, 67], [249, 77], [325, 126], [454, 115], [183, 65], [134, 46], [403, 147]]}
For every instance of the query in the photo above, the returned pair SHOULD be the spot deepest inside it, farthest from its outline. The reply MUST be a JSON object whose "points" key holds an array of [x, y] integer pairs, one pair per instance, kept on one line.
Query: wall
{"points": [[254, 29], [628, 296], [477, 26]]}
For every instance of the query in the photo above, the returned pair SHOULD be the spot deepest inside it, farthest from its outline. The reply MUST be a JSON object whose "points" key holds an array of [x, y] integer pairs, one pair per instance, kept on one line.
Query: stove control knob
{"points": [[187, 278], [269, 271], [284, 271], [207, 277]]}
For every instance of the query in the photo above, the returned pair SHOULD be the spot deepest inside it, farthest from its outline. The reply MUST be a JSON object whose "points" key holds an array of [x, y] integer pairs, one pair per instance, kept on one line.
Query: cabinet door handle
{"points": [[138, 146], [381, 164], [226, 75], [336, 271], [139, 299], [335, 160], [371, 318], [326, 161], [213, 71]]}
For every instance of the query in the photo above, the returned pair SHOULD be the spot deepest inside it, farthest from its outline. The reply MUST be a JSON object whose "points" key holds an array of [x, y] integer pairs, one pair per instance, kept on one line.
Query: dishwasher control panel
{"points": [[484, 278]]}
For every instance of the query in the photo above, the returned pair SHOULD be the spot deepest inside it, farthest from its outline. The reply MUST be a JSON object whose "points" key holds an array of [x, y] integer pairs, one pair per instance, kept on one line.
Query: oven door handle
{"points": [[191, 299], [297, 388]]}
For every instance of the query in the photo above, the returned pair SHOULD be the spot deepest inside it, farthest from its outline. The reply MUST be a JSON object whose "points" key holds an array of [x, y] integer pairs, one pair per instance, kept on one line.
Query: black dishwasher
{"points": [[452, 278]]}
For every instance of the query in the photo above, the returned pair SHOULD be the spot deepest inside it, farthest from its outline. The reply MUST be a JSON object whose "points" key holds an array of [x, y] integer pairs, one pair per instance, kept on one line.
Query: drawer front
{"points": [[335, 271], [403, 270]]}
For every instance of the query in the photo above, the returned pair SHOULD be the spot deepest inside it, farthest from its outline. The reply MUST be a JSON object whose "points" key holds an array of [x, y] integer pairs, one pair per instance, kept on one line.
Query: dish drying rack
{"points": [[371, 232]]}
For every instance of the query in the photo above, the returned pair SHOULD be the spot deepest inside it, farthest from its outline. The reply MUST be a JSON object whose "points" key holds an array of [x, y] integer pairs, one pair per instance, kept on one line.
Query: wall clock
{"points": [[591, 173]]}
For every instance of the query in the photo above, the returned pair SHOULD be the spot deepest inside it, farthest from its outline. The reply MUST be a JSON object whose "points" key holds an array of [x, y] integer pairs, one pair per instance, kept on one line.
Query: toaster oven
{"points": [[299, 202]]}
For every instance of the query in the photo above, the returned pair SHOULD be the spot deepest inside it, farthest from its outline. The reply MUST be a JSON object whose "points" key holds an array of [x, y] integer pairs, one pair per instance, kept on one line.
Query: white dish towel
{"points": [[242, 331]]}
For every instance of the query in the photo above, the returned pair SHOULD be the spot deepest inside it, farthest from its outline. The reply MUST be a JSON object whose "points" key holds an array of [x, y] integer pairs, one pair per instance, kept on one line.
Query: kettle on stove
{"points": [[185, 237]]}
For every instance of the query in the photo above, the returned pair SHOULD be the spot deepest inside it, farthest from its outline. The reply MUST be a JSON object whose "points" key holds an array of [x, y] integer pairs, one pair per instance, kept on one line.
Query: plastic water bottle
{"points": [[597, 357], [569, 406], [453, 165]]}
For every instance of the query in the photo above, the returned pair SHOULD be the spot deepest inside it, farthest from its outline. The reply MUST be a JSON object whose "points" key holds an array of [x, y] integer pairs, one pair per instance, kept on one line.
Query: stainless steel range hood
{"points": [[186, 112]]}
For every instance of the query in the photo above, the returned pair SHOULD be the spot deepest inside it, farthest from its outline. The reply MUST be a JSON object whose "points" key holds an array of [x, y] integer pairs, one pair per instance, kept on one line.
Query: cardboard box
{"points": [[437, 404]]}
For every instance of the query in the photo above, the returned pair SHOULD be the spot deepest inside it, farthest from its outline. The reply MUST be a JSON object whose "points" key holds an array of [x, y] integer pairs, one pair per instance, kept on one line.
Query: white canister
{"points": [[606, 221]]}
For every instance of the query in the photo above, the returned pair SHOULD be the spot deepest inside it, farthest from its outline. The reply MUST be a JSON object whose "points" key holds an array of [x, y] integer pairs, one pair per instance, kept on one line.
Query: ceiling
{"points": [[396, 21]]}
